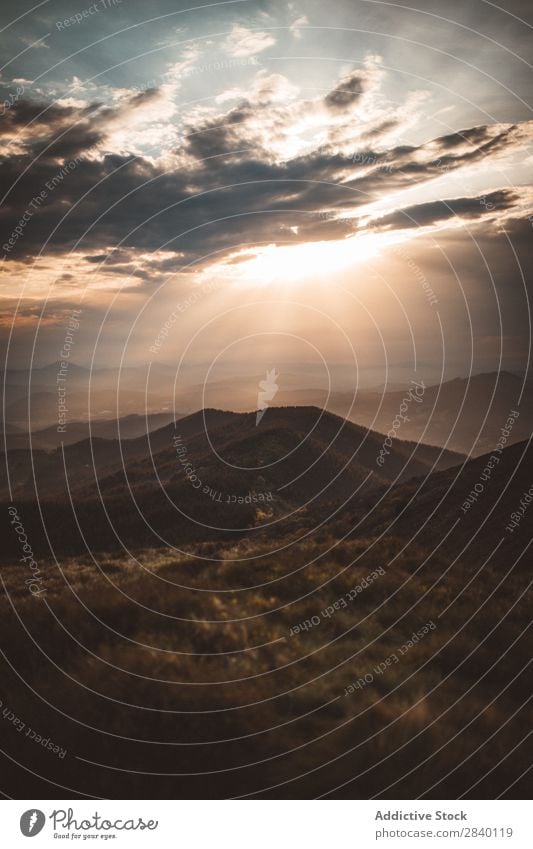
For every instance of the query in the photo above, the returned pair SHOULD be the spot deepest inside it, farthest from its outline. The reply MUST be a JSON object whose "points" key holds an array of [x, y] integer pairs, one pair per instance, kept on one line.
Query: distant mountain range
{"points": [[215, 475], [467, 509], [464, 415], [224, 446], [151, 479], [203, 472], [40, 409], [126, 427]]}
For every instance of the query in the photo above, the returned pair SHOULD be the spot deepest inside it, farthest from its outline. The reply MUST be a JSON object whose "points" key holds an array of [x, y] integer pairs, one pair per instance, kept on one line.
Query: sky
{"points": [[341, 189]]}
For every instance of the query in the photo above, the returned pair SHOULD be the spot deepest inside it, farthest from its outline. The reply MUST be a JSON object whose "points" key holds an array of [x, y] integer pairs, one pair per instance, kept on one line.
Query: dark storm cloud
{"points": [[43, 116], [473, 135], [406, 164], [52, 130], [222, 188], [212, 139], [347, 92], [481, 139], [423, 214]]}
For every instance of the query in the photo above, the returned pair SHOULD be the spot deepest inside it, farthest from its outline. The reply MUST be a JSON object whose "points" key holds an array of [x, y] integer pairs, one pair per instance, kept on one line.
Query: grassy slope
{"points": [[279, 692]]}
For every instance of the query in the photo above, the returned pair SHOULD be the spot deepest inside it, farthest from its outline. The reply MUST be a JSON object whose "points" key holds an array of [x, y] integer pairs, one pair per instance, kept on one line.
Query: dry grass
{"points": [[176, 652]]}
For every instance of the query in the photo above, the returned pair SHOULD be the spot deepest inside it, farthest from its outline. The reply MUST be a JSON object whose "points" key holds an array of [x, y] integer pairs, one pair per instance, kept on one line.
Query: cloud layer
{"points": [[271, 168]]}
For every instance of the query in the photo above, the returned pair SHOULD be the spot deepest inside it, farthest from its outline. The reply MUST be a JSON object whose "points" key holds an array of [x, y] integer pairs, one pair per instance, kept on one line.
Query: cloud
{"points": [[36, 44], [424, 214], [246, 174], [296, 25], [52, 131], [349, 90], [243, 42]]}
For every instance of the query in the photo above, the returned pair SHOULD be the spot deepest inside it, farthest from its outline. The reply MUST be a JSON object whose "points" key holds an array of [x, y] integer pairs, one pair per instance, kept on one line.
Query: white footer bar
{"points": [[268, 824]]}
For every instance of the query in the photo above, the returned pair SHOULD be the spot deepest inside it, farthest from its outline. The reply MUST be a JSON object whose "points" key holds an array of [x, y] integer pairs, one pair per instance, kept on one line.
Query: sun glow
{"points": [[295, 264]]}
